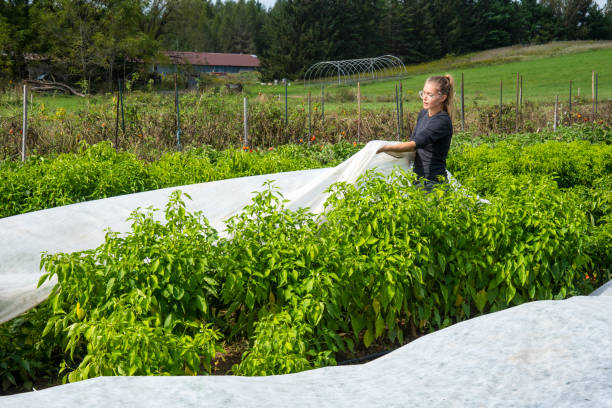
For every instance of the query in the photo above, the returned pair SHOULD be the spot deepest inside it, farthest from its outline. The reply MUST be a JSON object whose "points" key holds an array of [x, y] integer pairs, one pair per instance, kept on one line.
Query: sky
{"points": [[267, 3], [270, 3]]}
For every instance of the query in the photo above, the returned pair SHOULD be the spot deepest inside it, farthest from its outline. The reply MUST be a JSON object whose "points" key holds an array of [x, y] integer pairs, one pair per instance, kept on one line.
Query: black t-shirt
{"points": [[432, 136]]}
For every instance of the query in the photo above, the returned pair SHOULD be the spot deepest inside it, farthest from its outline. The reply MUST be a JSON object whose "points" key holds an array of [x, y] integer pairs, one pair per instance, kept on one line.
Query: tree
{"points": [[300, 33], [16, 36], [87, 41]]}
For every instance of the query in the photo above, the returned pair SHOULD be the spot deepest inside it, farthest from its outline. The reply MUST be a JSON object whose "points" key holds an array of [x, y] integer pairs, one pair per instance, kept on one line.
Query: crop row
{"points": [[389, 262], [99, 172]]}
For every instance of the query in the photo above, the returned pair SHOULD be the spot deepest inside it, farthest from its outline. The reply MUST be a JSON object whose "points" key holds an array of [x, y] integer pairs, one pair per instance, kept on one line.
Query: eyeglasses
{"points": [[424, 95]]}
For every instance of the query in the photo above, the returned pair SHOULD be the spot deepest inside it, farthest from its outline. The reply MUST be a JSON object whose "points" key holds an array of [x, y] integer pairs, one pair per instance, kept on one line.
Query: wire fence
{"points": [[312, 124]]}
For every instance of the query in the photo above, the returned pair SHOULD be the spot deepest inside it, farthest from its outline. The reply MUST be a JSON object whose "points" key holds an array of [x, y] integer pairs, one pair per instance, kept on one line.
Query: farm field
{"points": [[481, 82], [483, 72], [285, 292]]}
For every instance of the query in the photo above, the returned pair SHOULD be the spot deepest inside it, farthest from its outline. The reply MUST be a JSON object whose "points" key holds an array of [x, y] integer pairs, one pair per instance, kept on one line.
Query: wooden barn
{"points": [[208, 62]]}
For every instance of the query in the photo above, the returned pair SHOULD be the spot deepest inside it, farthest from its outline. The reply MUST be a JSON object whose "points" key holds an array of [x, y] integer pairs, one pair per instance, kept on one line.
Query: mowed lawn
{"points": [[544, 77]]}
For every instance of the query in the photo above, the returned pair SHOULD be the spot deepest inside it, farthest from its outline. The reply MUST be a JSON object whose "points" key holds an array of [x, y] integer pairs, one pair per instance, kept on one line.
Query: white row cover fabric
{"points": [[548, 353], [82, 226], [539, 354]]}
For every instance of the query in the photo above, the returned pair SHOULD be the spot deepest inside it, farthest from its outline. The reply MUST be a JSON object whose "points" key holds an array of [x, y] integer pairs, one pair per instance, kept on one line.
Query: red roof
{"points": [[213, 59]]}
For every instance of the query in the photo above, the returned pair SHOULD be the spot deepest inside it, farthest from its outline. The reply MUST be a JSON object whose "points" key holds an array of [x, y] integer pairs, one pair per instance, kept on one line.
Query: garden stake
{"points": [[178, 115], [322, 103], [401, 104], [593, 92], [358, 111], [462, 106], [516, 114], [596, 77], [570, 101], [556, 110], [309, 117], [246, 123], [121, 98], [397, 111], [116, 121], [501, 84], [24, 130]]}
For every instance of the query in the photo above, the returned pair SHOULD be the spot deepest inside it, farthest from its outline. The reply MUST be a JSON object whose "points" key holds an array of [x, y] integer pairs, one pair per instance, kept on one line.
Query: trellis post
{"points": [[322, 103], [245, 115], [556, 111], [462, 106], [309, 117], [24, 129], [401, 106]]}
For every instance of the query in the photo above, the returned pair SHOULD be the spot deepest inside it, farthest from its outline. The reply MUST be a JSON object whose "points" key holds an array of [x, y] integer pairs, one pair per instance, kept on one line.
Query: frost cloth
{"points": [[83, 226]]}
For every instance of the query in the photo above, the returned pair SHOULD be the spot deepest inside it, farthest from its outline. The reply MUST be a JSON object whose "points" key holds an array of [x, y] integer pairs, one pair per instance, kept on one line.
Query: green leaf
{"points": [[201, 304], [376, 306], [379, 325], [42, 279], [50, 325], [390, 292], [372, 240], [168, 321], [368, 338], [481, 300], [510, 292], [249, 299], [109, 286]]}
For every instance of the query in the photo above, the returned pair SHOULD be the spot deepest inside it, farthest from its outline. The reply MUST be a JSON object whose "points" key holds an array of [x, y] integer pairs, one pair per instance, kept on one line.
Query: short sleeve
{"points": [[438, 128]]}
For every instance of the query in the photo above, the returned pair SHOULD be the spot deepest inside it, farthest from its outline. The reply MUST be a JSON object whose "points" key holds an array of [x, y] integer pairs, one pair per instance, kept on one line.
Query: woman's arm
{"points": [[398, 147]]}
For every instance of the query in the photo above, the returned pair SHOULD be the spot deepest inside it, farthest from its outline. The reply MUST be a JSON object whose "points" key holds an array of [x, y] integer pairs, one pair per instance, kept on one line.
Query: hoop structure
{"points": [[354, 70]]}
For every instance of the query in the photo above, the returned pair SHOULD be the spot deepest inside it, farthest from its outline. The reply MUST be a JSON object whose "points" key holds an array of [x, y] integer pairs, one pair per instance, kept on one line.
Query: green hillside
{"points": [[543, 78]]}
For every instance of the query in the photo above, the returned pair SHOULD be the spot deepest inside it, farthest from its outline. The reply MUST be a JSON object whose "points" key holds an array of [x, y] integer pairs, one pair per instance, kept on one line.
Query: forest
{"points": [[90, 42]]}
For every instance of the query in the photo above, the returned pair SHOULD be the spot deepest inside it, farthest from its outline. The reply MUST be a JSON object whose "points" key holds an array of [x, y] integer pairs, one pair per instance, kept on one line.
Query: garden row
{"points": [[389, 262], [99, 171]]}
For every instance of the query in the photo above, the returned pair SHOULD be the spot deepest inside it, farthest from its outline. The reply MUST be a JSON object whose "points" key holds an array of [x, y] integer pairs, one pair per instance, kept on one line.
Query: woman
{"points": [[432, 134]]}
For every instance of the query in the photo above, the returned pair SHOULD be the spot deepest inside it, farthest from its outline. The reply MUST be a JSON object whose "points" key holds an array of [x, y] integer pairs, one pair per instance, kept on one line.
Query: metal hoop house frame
{"points": [[354, 69]]}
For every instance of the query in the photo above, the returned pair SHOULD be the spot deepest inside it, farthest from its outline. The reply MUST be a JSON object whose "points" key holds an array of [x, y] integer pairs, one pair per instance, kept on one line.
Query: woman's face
{"points": [[432, 99]]}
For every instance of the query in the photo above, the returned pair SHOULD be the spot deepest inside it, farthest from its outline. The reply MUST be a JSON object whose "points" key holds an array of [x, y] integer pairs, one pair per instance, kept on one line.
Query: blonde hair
{"points": [[446, 86]]}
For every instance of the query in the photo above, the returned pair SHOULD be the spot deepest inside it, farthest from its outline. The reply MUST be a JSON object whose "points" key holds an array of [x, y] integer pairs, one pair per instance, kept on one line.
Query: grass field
{"points": [[546, 71], [543, 78]]}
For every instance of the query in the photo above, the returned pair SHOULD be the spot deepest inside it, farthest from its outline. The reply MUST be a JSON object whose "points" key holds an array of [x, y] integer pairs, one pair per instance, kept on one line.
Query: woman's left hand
{"points": [[382, 149]]}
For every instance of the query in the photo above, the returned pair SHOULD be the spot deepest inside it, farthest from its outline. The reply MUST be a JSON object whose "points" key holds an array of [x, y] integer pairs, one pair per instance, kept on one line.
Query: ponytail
{"points": [[446, 86]]}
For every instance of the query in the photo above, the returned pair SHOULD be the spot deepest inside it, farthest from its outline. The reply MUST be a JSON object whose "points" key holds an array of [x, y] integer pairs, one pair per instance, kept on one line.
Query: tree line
{"points": [[91, 42]]}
